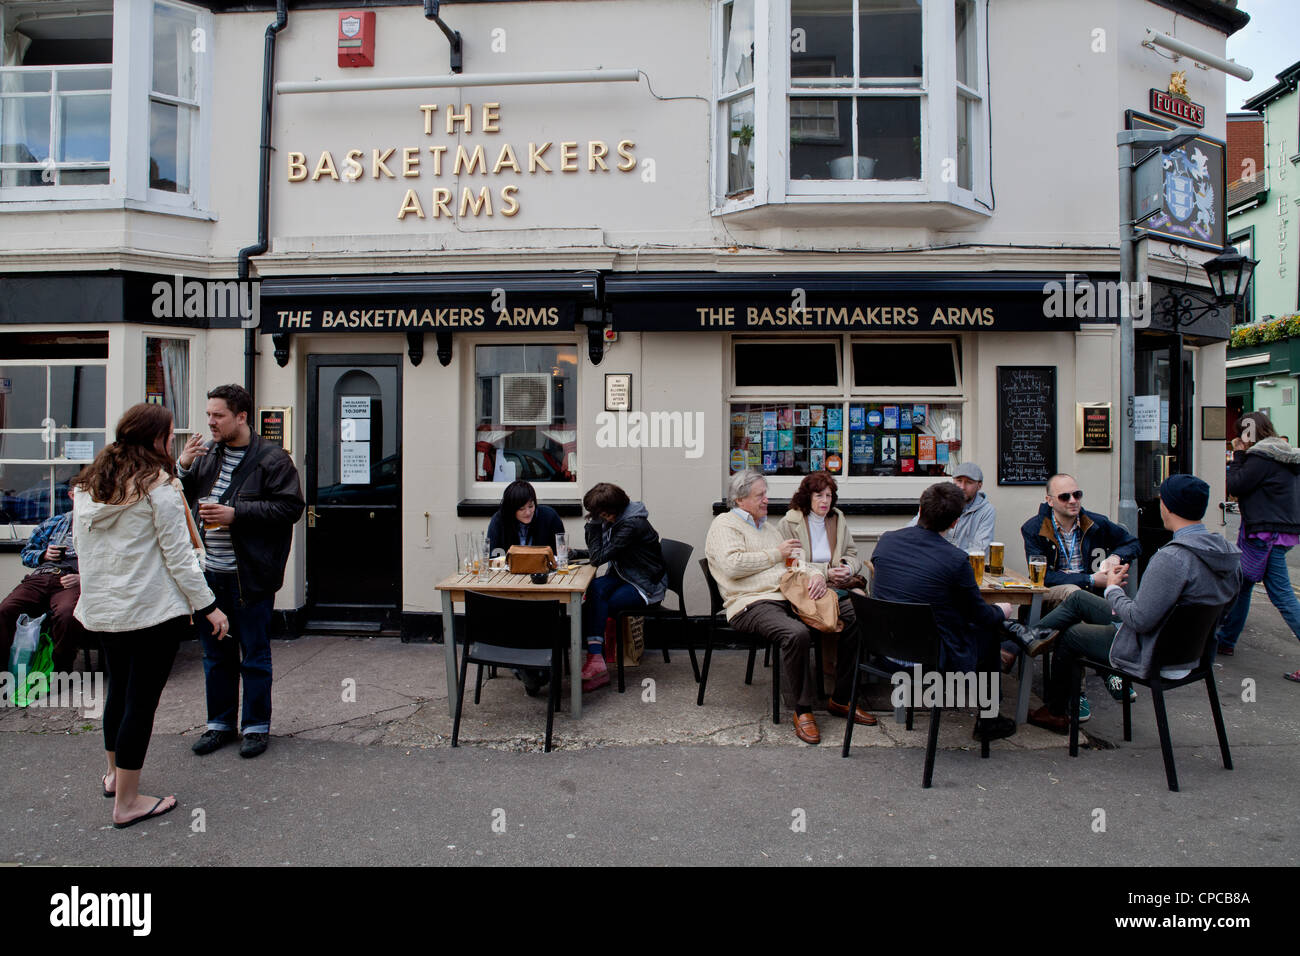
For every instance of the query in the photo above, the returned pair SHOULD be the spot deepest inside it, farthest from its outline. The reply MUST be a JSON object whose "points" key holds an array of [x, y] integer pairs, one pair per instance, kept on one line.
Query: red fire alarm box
{"points": [[357, 38]]}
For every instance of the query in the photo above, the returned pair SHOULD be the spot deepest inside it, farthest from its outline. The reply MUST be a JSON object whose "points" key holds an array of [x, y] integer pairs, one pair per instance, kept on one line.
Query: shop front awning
{"points": [[857, 302], [504, 302]]}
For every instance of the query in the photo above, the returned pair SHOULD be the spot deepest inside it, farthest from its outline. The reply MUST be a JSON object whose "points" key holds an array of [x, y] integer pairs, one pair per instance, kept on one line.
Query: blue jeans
{"points": [[1277, 582], [607, 595], [244, 652]]}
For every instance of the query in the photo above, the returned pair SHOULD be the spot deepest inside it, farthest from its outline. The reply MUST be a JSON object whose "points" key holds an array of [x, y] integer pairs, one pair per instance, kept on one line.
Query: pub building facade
{"points": [[864, 236]]}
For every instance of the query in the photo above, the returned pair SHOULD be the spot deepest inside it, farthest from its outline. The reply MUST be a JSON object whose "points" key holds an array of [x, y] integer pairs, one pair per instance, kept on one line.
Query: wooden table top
{"points": [[994, 589], [575, 580]]}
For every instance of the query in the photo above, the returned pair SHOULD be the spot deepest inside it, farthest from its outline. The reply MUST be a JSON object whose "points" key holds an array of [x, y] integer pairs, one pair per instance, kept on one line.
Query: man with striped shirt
{"points": [[248, 498]]}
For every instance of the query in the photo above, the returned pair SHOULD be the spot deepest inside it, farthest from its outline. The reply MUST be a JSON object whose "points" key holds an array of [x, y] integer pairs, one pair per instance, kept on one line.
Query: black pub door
{"points": [[1162, 414], [354, 492]]}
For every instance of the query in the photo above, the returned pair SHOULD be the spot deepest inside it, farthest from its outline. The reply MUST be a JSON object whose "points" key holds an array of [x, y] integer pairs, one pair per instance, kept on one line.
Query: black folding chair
{"points": [[716, 611], [896, 631], [676, 556], [511, 633], [1186, 637]]}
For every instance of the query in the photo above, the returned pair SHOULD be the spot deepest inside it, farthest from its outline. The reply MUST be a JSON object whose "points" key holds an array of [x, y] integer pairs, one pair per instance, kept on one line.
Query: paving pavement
{"points": [[360, 771]]}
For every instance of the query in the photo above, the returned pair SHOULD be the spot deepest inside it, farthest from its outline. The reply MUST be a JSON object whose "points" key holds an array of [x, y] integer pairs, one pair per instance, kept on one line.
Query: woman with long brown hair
{"points": [[141, 582]]}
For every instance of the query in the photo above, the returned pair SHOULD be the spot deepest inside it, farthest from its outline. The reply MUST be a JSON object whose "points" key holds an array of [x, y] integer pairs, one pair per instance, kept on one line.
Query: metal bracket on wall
{"points": [[444, 347], [280, 340], [415, 347]]}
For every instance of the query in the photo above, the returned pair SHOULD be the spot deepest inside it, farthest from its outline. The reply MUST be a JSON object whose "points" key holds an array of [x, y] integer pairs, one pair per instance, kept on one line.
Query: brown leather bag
{"points": [[822, 614], [529, 559]]}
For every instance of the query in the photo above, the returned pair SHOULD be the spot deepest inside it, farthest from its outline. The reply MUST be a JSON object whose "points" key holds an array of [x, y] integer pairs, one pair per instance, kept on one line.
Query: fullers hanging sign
{"points": [[502, 162]]}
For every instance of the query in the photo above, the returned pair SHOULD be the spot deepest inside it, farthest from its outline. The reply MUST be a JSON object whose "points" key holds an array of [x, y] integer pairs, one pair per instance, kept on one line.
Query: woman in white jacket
{"points": [[141, 583]]}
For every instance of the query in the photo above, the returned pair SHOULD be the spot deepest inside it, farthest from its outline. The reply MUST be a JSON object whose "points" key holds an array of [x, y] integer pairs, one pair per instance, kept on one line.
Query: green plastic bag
{"points": [[37, 682]]}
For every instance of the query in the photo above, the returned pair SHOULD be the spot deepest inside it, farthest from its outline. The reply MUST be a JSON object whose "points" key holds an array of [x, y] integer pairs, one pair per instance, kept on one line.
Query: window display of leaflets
{"points": [[739, 459], [816, 438], [941, 453], [769, 461], [907, 465], [785, 418], [756, 420], [891, 417], [905, 416], [862, 450], [888, 449], [754, 433], [874, 418], [833, 439], [785, 440], [817, 415], [905, 445], [739, 419], [769, 440], [919, 415], [834, 463], [857, 420], [755, 456], [817, 459], [925, 449], [834, 418], [801, 417], [785, 459], [769, 421]]}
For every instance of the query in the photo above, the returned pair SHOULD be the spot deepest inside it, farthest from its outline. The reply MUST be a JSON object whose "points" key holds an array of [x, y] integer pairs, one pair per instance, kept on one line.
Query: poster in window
{"points": [[834, 463], [739, 419], [817, 415], [354, 463], [785, 440], [817, 459], [835, 418], [816, 438], [801, 418], [888, 449], [925, 453], [769, 461], [754, 433], [919, 414], [755, 456], [785, 418], [833, 441], [907, 465], [941, 452], [905, 416], [769, 440], [856, 418], [862, 450], [769, 421], [874, 418], [785, 459], [891, 417], [906, 445], [739, 458]]}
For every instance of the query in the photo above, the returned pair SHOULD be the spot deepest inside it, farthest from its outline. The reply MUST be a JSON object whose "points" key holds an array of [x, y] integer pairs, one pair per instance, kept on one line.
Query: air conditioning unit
{"points": [[526, 398]]}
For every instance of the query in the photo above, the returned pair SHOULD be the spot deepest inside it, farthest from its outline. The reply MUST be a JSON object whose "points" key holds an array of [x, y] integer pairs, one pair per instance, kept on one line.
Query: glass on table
{"points": [[996, 551], [977, 565], [1037, 571], [561, 552]]}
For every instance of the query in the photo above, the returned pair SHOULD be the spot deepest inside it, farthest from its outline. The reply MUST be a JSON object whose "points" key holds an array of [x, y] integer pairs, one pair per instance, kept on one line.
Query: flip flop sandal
{"points": [[1294, 675], [104, 783], [153, 812]]}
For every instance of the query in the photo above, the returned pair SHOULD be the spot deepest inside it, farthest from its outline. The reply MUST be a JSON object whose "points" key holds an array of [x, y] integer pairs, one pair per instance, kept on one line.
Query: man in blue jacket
{"points": [[1075, 542], [52, 588]]}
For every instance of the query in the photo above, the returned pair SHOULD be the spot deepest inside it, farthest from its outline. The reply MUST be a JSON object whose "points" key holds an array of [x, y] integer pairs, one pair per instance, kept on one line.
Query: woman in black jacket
{"points": [[521, 520], [1265, 477], [618, 531]]}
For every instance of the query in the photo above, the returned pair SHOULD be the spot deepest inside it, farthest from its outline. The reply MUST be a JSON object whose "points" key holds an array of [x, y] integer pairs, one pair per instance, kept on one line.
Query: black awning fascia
{"points": [[581, 286], [643, 285]]}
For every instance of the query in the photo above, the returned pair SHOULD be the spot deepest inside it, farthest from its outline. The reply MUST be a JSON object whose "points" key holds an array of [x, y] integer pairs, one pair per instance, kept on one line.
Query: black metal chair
{"points": [[896, 631], [1186, 637], [716, 610], [677, 554], [511, 633]]}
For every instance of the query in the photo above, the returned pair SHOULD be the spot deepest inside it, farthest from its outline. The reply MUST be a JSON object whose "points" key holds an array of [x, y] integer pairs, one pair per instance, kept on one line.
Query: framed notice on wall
{"points": [[1092, 426], [274, 424]]}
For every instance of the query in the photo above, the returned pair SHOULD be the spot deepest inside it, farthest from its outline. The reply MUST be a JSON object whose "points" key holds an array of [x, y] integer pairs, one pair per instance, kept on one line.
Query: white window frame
{"points": [[132, 93], [773, 89], [490, 491]]}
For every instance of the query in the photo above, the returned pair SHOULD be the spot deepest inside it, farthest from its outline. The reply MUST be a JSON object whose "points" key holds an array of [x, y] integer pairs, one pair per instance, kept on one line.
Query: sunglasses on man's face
{"points": [[1064, 499]]}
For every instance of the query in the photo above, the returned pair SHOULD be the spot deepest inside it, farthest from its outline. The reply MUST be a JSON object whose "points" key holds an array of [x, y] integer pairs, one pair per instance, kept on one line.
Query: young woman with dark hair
{"points": [[619, 533], [140, 583], [521, 520]]}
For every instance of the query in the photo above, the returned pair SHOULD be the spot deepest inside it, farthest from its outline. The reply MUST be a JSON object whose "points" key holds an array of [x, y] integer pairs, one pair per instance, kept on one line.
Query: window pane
{"points": [[22, 397], [84, 445], [903, 438], [85, 80], [821, 44], [25, 82], [821, 143], [27, 445], [965, 111], [25, 493], [966, 33], [24, 129], [167, 377], [84, 124], [903, 365], [889, 134], [740, 158], [889, 37], [787, 364], [169, 147], [737, 45], [780, 438], [173, 56], [526, 413], [77, 395], [83, 177]]}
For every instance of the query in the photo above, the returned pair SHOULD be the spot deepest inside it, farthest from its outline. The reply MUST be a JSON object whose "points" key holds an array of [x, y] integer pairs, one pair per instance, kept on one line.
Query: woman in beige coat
{"points": [[823, 531]]}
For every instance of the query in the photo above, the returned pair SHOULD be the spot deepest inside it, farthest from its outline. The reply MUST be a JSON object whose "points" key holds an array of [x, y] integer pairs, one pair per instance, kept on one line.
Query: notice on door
{"points": [[354, 462], [354, 406], [1146, 417]]}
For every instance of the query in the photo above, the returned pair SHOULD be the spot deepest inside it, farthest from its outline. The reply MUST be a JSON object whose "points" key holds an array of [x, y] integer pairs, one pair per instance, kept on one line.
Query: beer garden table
{"points": [[569, 586], [994, 590]]}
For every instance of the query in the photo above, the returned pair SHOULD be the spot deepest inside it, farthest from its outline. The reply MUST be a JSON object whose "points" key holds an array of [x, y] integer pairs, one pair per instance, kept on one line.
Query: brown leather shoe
{"points": [[805, 728], [859, 717], [1042, 717]]}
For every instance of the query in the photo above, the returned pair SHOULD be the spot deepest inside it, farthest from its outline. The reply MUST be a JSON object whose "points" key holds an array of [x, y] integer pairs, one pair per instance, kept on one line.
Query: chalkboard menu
{"points": [[1026, 424]]}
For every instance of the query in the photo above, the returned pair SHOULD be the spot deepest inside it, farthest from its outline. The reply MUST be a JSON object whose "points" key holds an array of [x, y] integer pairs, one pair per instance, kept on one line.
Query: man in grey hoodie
{"points": [[974, 529], [1196, 567]]}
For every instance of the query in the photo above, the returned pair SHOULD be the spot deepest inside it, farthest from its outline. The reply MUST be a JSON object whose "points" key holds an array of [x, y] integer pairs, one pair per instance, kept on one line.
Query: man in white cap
{"points": [[974, 529]]}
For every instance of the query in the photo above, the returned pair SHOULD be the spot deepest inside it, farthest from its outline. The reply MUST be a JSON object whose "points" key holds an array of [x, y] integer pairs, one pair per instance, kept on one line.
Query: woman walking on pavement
{"points": [[1265, 478], [141, 581]]}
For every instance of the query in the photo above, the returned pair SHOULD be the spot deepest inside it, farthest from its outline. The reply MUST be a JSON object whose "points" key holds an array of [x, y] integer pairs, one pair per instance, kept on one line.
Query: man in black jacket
{"points": [[1075, 542], [248, 498]]}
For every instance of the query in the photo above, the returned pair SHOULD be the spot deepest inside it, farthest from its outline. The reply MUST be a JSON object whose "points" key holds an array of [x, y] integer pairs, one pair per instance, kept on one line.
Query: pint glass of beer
{"points": [[795, 560], [1037, 571], [995, 557], [209, 525], [977, 565]]}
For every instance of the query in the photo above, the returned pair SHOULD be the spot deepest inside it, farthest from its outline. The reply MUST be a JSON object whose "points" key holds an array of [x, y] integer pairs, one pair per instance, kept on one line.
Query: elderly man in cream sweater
{"points": [[747, 559]]}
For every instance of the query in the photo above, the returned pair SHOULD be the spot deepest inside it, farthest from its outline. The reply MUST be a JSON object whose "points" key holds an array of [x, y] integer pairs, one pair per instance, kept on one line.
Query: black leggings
{"points": [[138, 663]]}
